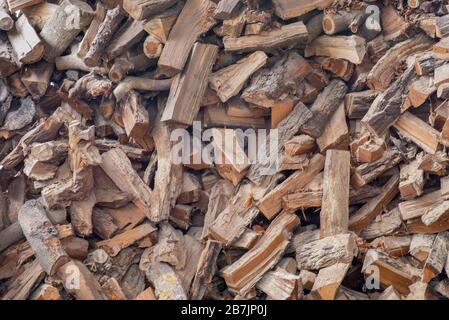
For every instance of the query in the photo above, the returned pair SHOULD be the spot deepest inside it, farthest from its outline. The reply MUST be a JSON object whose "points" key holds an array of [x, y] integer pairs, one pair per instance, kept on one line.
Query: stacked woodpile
{"points": [[93, 205]]}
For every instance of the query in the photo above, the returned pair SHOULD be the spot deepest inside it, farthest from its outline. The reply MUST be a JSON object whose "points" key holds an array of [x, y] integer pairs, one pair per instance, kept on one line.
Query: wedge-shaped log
{"points": [[437, 257], [188, 87], [228, 82], [328, 280], [243, 274], [194, 20]]}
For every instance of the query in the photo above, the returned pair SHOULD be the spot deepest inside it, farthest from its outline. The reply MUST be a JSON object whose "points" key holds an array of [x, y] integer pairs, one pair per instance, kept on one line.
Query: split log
{"points": [[134, 116], [206, 269], [42, 236], [25, 41], [160, 25], [334, 214], [228, 82], [383, 72], [36, 78], [57, 34], [394, 25], [326, 252], [418, 131], [114, 245], [412, 180], [336, 133], [417, 207], [259, 260], [113, 290], [81, 214], [329, 279], [343, 20], [38, 14], [225, 9], [392, 271], [351, 48], [271, 203], [9, 62], [437, 257], [129, 34], [279, 284], [143, 9], [286, 36], [152, 47], [118, 167], [166, 283], [324, 107], [363, 217], [25, 283], [194, 20], [6, 22], [384, 225], [420, 91], [358, 103], [288, 9], [189, 86], [421, 245], [15, 5]]}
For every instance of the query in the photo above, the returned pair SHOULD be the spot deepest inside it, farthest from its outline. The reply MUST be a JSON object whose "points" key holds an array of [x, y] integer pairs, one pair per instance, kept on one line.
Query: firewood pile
{"points": [[93, 204]]}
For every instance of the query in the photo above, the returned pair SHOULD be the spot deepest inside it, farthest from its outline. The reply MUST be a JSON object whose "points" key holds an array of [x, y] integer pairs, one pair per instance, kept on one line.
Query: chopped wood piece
{"points": [[392, 271], [46, 292], [9, 62], [194, 20], [334, 214], [114, 245], [324, 107], [437, 257], [228, 82], [118, 167], [351, 48], [134, 116], [271, 203], [412, 180], [57, 34], [25, 283], [329, 279], [15, 5], [160, 25], [25, 41], [36, 78], [357, 103], [287, 35], [368, 212], [384, 225], [129, 34], [139, 83], [189, 87], [243, 274], [152, 47], [166, 283], [279, 284], [206, 269], [325, 252], [81, 214], [418, 131], [421, 245], [225, 9], [143, 9], [336, 133], [42, 236], [287, 9]]}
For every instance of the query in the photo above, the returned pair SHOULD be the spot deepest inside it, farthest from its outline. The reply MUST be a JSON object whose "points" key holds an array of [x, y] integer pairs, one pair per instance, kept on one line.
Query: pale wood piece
{"points": [[434, 214], [114, 245], [342, 20], [440, 50], [336, 133], [299, 145], [9, 62], [228, 82], [324, 107], [436, 260], [279, 284], [167, 285], [206, 268], [194, 20], [215, 116], [420, 91], [225, 9], [189, 87], [442, 26], [134, 115], [57, 34], [286, 36], [329, 279], [118, 167], [417, 207], [194, 249], [152, 47], [392, 271], [140, 83], [307, 278], [418, 131], [40, 13], [160, 25], [244, 274], [15, 5], [393, 24], [36, 78], [143, 9], [288, 9], [80, 282], [81, 214], [384, 225], [168, 176], [421, 245], [103, 224], [42, 236], [412, 180], [441, 75], [334, 214], [325, 252], [389, 293], [444, 182], [368, 212], [367, 172], [107, 193], [271, 203], [382, 74], [351, 48], [25, 41]]}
